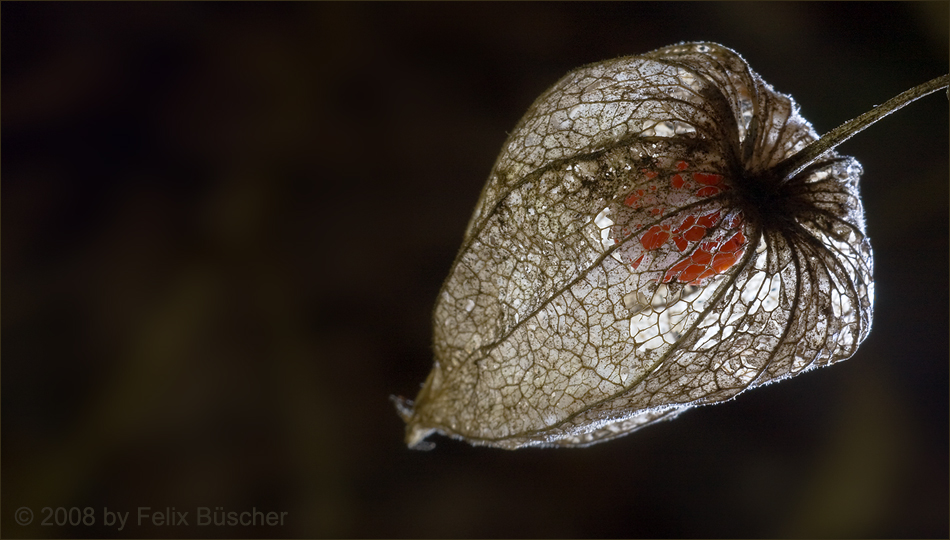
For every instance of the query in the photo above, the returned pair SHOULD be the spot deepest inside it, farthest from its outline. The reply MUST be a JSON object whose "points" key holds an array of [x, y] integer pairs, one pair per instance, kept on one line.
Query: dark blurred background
{"points": [[225, 225]]}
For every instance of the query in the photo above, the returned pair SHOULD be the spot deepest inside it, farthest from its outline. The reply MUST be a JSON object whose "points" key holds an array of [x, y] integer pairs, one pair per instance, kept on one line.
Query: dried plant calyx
{"points": [[659, 232]]}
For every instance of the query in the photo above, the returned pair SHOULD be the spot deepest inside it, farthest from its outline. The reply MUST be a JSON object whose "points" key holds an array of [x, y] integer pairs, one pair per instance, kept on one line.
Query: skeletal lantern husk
{"points": [[633, 255]]}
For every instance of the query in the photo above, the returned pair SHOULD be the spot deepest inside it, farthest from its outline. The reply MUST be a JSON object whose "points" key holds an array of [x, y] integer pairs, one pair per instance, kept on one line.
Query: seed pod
{"points": [[640, 248]]}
